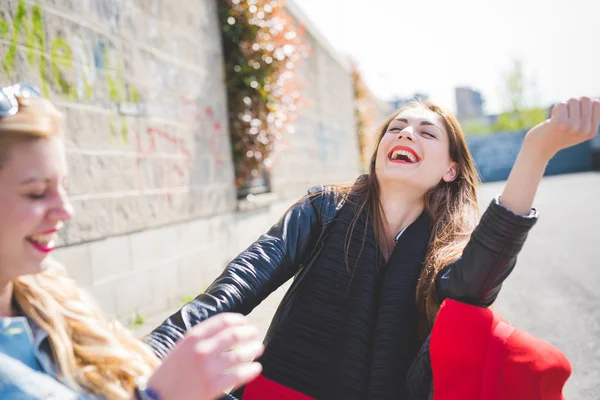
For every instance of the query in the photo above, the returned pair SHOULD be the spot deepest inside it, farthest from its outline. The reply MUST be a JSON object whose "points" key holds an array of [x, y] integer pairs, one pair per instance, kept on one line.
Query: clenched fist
{"points": [[571, 123]]}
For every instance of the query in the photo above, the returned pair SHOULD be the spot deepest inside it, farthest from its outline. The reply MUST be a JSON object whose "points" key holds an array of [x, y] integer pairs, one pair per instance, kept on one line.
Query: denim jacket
{"points": [[27, 369]]}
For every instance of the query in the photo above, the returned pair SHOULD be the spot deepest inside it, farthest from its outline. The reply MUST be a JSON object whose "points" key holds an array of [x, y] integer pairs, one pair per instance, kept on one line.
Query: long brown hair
{"points": [[91, 353], [452, 207]]}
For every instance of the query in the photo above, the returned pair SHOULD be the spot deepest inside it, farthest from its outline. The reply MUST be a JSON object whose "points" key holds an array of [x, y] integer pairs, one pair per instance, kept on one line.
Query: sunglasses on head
{"points": [[8, 97]]}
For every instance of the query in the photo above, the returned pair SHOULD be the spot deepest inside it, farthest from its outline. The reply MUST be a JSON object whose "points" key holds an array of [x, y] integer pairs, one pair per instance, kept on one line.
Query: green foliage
{"points": [[475, 128], [514, 87], [137, 321], [519, 120], [187, 299], [517, 115], [262, 46]]}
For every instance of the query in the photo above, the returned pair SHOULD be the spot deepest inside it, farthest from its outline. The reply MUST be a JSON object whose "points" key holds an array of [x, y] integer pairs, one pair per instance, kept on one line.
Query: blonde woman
{"points": [[54, 343]]}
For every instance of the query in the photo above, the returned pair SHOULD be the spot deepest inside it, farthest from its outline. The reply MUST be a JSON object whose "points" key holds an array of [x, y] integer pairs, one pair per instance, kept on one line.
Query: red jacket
{"points": [[476, 355]]}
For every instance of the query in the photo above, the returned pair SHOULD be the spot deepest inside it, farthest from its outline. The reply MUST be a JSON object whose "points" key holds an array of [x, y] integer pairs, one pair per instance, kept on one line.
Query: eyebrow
{"points": [[33, 180], [423, 123]]}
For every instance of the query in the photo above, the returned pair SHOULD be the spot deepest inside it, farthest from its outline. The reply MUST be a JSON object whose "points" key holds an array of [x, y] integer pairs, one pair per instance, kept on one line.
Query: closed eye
{"points": [[36, 196], [429, 134]]}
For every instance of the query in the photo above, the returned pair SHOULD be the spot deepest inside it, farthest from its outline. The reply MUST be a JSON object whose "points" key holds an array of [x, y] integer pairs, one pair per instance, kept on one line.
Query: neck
{"points": [[400, 206], [6, 295]]}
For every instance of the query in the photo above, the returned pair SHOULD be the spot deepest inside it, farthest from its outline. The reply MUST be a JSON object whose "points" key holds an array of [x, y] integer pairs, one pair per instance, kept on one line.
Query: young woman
{"points": [[373, 261], [54, 343]]}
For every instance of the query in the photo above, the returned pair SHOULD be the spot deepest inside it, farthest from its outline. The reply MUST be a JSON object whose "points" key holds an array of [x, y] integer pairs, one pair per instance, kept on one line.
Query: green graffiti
{"points": [[87, 86], [134, 95], [34, 39], [114, 92], [54, 63], [60, 54], [88, 89], [3, 28], [117, 90], [124, 130], [86, 66], [112, 128]]}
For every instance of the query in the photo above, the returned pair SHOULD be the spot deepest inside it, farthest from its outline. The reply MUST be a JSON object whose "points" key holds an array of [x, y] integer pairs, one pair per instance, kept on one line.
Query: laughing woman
{"points": [[374, 260]]}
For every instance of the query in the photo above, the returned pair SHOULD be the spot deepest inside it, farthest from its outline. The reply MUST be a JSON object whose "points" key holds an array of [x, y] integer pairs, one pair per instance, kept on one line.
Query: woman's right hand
{"points": [[572, 122], [212, 357]]}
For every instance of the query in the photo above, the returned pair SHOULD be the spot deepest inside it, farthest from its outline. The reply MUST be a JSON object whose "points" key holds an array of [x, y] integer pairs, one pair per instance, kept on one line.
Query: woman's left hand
{"points": [[572, 122]]}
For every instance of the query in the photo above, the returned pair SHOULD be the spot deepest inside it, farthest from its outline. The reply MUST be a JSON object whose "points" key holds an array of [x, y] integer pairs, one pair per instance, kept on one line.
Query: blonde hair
{"points": [[91, 353]]}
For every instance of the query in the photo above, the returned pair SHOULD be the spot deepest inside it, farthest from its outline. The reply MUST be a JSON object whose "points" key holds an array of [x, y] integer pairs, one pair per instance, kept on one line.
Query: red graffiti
{"points": [[182, 167], [175, 173], [191, 116], [215, 132]]}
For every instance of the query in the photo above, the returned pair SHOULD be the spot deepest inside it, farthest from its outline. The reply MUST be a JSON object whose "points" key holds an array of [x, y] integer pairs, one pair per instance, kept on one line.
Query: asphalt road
{"points": [[554, 292]]}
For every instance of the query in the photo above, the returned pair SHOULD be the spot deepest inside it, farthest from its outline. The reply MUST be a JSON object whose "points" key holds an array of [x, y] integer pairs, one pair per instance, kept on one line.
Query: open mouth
{"points": [[403, 155], [45, 242]]}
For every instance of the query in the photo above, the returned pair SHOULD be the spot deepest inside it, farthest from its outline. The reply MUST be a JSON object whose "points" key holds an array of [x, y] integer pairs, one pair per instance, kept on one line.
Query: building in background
{"points": [[469, 103]]}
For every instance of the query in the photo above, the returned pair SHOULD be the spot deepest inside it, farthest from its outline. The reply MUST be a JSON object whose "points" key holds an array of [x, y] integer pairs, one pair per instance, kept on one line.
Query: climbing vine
{"points": [[262, 46]]}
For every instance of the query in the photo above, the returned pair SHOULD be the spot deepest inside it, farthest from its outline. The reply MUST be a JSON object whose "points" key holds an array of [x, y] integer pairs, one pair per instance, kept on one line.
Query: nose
{"points": [[62, 210], [407, 133]]}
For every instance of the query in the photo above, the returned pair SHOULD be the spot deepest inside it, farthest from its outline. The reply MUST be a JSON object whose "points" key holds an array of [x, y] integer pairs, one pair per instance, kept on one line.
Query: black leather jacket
{"points": [[295, 241]]}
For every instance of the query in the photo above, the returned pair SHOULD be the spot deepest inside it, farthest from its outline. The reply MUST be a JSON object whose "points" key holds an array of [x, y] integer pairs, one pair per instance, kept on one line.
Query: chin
{"points": [[398, 175], [36, 267]]}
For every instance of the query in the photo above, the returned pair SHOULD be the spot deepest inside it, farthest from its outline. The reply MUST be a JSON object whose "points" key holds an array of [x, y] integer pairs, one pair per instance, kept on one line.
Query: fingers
{"points": [[596, 114], [216, 324], [561, 113], [240, 355], [225, 339], [578, 116], [586, 114], [235, 378], [574, 111]]}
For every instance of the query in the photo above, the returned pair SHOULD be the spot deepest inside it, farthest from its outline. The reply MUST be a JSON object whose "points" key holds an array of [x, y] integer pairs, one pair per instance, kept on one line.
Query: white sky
{"points": [[405, 46]]}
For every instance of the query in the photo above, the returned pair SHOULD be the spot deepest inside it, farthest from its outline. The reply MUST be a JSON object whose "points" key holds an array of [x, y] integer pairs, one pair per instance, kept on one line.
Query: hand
{"points": [[571, 123], [211, 358]]}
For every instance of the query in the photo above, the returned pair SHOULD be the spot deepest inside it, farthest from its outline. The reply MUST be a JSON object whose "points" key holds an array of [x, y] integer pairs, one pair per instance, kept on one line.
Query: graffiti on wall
{"points": [[86, 67], [52, 57]]}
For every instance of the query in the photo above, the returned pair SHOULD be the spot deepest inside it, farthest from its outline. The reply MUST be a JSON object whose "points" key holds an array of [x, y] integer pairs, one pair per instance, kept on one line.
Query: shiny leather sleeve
{"points": [[254, 274], [488, 258]]}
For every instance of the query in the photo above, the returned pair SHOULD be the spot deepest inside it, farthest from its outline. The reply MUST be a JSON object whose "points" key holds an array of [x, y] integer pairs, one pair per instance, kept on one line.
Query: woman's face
{"points": [[33, 205], [415, 150]]}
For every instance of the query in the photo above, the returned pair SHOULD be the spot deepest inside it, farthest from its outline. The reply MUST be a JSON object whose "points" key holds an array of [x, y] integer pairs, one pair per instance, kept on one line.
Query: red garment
{"points": [[265, 389], [476, 355]]}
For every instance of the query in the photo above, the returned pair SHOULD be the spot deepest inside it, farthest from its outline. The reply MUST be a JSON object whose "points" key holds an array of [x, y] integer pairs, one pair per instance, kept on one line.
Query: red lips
{"points": [[405, 148], [44, 248]]}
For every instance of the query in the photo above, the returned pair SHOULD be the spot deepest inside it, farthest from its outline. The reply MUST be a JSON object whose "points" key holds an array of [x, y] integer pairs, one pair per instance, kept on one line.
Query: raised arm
{"points": [[491, 254]]}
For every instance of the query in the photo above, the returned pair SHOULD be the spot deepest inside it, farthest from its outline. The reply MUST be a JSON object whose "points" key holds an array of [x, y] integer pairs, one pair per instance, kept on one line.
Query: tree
{"points": [[517, 115]]}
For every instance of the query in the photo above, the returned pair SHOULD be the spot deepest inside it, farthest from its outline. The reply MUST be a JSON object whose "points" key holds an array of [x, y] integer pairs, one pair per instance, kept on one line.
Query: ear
{"points": [[452, 173]]}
